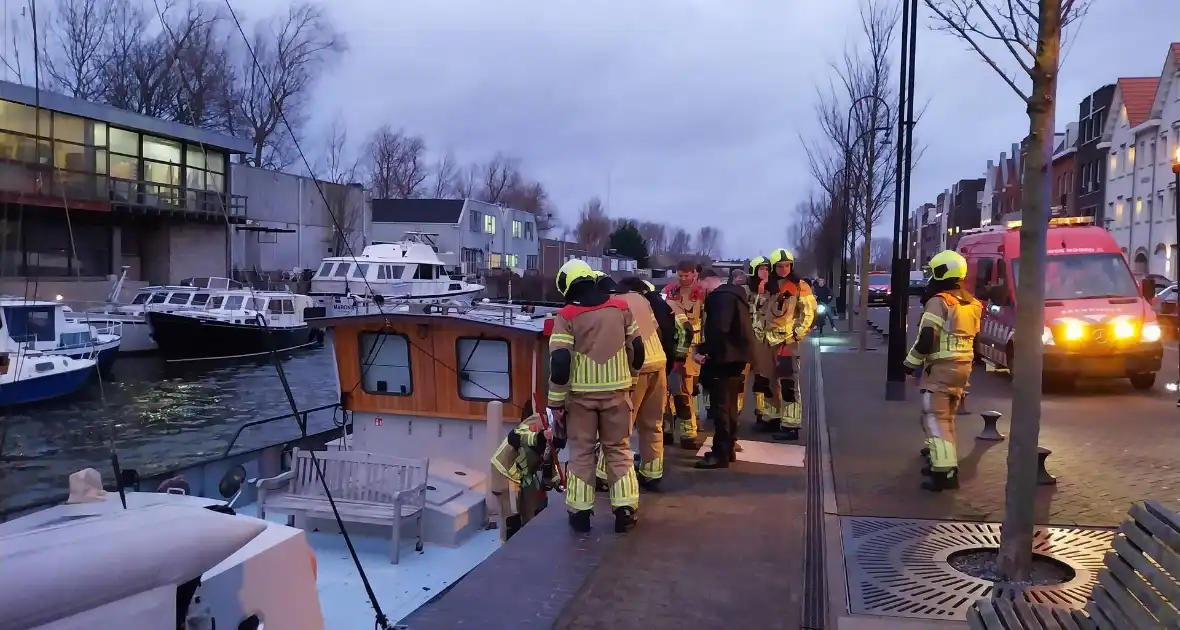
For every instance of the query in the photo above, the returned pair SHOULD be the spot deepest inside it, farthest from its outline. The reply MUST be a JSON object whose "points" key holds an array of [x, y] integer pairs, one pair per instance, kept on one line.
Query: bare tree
{"points": [[274, 87], [396, 164], [594, 226], [497, 176], [337, 164], [708, 241], [680, 243], [466, 182], [1030, 33], [528, 196], [656, 235], [444, 176], [79, 31], [410, 169]]}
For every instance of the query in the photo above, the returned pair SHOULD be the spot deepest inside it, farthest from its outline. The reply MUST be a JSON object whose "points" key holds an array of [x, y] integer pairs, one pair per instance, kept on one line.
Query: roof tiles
{"points": [[1138, 97]]}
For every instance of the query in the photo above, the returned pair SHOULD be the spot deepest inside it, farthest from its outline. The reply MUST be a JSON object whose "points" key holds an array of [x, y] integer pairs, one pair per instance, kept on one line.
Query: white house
{"points": [[1140, 188]]}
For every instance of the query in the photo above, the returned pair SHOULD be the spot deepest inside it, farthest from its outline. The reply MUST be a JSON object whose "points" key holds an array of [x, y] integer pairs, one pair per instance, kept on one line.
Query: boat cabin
{"points": [[191, 292], [41, 325], [406, 269], [280, 308], [418, 381]]}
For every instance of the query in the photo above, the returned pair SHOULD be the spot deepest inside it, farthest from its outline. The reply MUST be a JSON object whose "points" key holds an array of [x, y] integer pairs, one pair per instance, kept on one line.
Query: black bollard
{"points": [[990, 433], [1043, 476], [963, 404]]}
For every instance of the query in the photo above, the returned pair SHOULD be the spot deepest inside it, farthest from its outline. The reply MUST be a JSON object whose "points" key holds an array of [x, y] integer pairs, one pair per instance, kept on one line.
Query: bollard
{"points": [[963, 404], [990, 433], [1043, 476], [492, 437]]}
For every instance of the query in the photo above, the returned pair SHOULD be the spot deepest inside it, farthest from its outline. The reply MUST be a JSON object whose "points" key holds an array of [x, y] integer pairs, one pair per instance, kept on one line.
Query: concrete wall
{"points": [[173, 252], [295, 205]]}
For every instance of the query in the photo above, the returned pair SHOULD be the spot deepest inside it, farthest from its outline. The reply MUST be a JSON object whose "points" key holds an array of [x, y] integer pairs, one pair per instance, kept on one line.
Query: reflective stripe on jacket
{"points": [[955, 321]]}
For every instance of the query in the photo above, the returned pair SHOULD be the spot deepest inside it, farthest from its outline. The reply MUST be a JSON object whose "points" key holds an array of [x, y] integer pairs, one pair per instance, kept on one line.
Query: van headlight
{"points": [[1047, 337], [1151, 333]]}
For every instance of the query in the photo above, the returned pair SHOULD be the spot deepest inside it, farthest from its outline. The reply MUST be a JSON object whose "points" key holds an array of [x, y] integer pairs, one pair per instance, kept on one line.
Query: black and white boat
{"points": [[406, 272], [235, 324]]}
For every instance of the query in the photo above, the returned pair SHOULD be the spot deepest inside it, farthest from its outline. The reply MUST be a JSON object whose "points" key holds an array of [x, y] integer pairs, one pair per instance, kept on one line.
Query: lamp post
{"points": [[1176, 246], [895, 386], [846, 246]]}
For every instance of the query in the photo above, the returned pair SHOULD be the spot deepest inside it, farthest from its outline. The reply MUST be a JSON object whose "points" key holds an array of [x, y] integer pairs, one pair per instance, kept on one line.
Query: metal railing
{"points": [[246, 425]]}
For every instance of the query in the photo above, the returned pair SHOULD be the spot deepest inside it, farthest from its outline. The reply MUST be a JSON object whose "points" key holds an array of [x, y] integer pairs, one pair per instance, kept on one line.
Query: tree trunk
{"points": [[1015, 558], [862, 340]]}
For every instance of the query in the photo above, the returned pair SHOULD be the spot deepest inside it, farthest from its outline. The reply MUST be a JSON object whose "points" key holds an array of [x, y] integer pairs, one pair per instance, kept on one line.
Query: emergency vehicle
{"points": [[1097, 321]]}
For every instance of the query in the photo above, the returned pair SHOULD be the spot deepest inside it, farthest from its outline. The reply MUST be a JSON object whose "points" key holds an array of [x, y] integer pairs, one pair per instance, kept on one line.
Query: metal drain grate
{"points": [[899, 567]]}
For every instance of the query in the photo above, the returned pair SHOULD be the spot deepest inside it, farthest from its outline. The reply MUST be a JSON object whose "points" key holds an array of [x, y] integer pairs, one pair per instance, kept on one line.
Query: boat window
{"points": [[69, 340], [30, 323], [215, 302], [325, 270], [256, 304], [199, 299], [141, 298], [233, 303], [281, 307], [425, 272], [342, 270], [455, 287], [179, 298], [385, 364], [361, 271], [44, 367], [396, 271], [485, 368], [381, 275], [158, 298]]}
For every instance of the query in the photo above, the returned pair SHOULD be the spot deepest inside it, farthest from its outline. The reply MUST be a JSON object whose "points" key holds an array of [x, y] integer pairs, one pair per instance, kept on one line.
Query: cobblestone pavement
{"points": [[720, 549], [1111, 446]]}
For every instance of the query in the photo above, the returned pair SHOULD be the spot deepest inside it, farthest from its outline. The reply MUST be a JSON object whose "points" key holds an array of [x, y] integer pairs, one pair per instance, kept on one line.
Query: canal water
{"points": [[160, 417]]}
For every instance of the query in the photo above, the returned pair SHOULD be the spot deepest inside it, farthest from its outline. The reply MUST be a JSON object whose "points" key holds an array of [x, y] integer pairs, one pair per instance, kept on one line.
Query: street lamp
{"points": [[1176, 246], [846, 246]]}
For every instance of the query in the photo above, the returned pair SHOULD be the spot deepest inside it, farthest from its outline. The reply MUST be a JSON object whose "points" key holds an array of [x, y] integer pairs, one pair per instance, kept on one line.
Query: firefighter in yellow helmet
{"points": [[514, 468], [785, 318], [941, 359], [687, 300], [595, 352], [756, 283]]}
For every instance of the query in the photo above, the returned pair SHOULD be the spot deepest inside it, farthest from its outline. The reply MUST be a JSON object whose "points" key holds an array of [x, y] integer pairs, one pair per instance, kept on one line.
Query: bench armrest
{"points": [[411, 496], [272, 483]]}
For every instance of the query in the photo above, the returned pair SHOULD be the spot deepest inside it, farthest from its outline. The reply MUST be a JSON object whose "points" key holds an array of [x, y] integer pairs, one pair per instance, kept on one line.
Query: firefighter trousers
{"points": [[590, 419], [939, 409], [782, 403], [527, 503], [648, 398], [682, 386]]}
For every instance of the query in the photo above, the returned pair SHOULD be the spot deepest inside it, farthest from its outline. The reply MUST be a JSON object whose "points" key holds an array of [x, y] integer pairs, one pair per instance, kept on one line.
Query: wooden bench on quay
{"points": [[366, 487], [1138, 588]]}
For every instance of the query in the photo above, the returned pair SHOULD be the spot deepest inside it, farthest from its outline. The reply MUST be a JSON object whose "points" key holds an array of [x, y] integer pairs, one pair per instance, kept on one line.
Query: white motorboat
{"points": [[52, 328], [29, 376], [408, 271]]}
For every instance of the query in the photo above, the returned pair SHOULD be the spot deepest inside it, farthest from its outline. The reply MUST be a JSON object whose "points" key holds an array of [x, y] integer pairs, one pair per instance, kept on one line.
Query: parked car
{"points": [[1161, 282], [879, 288], [918, 282], [1165, 310]]}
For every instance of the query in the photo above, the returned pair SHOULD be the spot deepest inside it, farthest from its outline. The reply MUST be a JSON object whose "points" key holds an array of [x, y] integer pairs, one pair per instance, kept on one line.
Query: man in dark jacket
{"points": [[724, 353]]}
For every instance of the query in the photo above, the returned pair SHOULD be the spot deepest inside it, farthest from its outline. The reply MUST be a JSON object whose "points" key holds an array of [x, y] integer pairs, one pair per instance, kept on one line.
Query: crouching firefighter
{"points": [[595, 352], [786, 316], [514, 467], [941, 358]]}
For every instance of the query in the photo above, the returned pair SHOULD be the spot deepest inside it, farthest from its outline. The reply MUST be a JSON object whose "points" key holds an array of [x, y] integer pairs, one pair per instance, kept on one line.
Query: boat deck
{"points": [[718, 549]]}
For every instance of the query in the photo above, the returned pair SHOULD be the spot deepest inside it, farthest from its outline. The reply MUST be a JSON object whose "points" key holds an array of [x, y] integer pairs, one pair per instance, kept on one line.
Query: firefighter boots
{"points": [[625, 519], [580, 520], [937, 481], [786, 434]]}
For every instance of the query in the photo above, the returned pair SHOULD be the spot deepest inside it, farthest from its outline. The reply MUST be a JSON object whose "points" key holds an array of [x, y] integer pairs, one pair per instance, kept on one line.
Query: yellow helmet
{"points": [[781, 255], [948, 264], [756, 262], [572, 271], [650, 286]]}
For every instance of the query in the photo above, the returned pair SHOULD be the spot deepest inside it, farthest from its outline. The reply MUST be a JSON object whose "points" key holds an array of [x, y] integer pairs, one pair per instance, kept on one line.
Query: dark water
{"points": [[161, 417]]}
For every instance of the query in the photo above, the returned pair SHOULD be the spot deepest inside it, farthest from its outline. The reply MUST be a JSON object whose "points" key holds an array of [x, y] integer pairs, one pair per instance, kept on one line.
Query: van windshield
{"points": [[1079, 276]]}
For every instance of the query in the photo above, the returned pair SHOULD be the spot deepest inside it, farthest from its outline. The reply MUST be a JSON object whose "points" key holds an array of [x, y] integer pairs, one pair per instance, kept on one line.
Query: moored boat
{"points": [[48, 328], [234, 324], [28, 376]]}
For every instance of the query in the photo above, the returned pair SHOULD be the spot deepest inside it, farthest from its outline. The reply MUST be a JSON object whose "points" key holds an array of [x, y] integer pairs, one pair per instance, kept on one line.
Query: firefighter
{"points": [[514, 468], [595, 353], [785, 319], [686, 299], [648, 395], [941, 358], [759, 275]]}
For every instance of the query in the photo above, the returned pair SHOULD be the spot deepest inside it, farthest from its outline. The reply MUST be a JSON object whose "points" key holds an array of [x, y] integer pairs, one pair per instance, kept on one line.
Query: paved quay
{"points": [[717, 549]]}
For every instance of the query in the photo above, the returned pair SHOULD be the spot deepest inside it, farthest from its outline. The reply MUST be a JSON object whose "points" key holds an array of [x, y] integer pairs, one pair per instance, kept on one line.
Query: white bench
{"points": [[366, 487]]}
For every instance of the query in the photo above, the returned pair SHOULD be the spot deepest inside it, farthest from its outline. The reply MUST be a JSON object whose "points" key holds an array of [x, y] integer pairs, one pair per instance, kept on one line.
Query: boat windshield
{"points": [[158, 298], [141, 298], [1082, 276], [215, 302], [233, 303], [325, 270]]}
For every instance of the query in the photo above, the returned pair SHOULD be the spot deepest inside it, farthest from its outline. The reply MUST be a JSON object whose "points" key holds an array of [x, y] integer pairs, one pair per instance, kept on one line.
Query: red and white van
{"points": [[1097, 322]]}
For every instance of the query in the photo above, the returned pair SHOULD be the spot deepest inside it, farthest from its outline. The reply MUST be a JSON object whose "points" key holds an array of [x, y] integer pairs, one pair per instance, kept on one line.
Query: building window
{"points": [[485, 368], [1114, 163], [530, 261], [476, 221], [528, 230], [494, 260], [1131, 159], [1118, 210], [385, 364], [489, 223], [1138, 207], [512, 261], [125, 142], [517, 229]]}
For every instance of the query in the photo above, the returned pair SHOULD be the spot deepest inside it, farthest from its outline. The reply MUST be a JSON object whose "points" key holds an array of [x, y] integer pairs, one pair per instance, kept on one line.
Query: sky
{"points": [[682, 111]]}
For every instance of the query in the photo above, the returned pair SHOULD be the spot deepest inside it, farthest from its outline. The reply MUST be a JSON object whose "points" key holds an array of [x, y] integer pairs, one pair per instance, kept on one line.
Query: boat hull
{"points": [[42, 388], [183, 338], [103, 353]]}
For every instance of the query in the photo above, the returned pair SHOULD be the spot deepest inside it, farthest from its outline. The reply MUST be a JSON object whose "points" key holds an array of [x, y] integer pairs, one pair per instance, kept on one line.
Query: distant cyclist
{"points": [[823, 311]]}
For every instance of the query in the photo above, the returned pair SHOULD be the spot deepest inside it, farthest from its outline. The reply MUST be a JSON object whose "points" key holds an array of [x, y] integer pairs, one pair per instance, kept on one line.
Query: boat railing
{"points": [[287, 416]]}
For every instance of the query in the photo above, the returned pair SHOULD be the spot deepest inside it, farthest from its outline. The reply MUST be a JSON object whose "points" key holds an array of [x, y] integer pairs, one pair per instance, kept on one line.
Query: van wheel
{"points": [[1143, 382]]}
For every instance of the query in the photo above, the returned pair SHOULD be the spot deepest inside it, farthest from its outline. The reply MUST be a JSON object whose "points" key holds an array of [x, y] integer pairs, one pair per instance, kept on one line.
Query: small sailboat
{"points": [[28, 376]]}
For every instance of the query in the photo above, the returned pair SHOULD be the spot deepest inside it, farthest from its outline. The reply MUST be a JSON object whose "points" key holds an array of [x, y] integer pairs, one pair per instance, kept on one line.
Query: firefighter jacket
{"points": [[669, 327], [786, 314], [593, 349], [947, 330], [520, 453], [757, 299], [689, 302], [654, 358]]}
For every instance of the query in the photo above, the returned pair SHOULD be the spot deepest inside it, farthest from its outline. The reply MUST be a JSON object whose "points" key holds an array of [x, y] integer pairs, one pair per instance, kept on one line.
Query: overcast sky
{"points": [[683, 111]]}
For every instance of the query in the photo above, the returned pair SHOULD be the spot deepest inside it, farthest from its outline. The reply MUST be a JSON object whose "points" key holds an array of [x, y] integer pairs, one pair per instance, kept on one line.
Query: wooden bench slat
{"points": [[1139, 575], [1042, 614], [1110, 610], [1170, 517], [1158, 527], [1130, 608], [1101, 621], [1164, 556]]}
